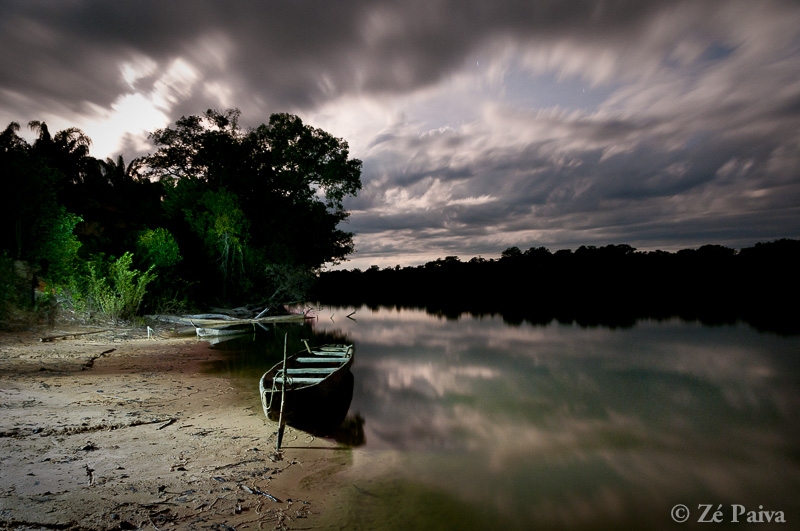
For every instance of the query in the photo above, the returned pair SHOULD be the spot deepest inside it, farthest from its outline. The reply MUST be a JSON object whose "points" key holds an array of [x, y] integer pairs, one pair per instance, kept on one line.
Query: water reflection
{"points": [[573, 427]]}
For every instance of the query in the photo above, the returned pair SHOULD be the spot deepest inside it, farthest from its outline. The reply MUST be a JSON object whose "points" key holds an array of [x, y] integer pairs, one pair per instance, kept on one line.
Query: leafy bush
{"points": [[158, 247], [118, 294]]}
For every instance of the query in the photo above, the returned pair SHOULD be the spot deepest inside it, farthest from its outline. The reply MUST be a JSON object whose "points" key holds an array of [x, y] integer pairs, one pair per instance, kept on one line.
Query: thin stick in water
{"points": [[283, 397]]}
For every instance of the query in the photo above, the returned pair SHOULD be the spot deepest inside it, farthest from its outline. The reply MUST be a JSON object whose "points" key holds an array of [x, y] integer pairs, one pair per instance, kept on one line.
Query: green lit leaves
{"points": [[158, 247], [222, 225], [115, 289], [57, 246]]}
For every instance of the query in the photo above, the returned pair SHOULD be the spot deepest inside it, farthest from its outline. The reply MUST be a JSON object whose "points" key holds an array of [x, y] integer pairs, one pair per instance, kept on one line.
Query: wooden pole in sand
{"points": [[283, 397]]}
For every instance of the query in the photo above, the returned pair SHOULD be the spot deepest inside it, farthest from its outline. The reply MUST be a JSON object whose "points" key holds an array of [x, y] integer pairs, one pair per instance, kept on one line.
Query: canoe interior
{"points": [[319, 386]]}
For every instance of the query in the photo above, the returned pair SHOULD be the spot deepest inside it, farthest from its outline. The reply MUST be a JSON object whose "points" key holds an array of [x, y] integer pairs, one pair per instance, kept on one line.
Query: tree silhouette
{"points": [[612, 285], [247, 204], [36, 228]]}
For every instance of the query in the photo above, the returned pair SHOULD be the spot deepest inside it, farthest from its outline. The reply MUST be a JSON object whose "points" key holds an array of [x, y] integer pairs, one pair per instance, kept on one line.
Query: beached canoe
{"points": [[318, 383], [217, 332]]}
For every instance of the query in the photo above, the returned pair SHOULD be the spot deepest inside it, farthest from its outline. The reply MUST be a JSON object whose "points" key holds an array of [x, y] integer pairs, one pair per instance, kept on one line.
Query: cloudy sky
{"points": [[481, 124]]}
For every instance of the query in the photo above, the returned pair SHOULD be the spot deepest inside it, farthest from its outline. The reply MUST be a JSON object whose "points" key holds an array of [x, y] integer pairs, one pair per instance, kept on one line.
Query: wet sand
{"points": [[116, 431]]}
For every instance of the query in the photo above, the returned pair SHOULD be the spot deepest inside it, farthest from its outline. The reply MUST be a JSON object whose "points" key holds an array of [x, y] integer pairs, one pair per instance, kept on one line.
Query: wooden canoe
{"points": [[319, 386], [216, 332]]}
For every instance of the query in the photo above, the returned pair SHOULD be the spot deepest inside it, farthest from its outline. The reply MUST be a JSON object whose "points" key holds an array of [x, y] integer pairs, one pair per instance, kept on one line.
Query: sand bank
{"points": [[116, 431]]}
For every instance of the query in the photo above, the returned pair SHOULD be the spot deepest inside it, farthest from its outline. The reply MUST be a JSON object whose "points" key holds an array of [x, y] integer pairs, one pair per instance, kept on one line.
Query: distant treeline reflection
{"points": [[610, 286]]}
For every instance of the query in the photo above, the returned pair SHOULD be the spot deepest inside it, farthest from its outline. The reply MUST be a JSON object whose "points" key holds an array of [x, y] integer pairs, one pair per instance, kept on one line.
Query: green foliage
{"points": [[57, 249], [207, 210], [158, 247], [238, 200], [222, 225], [117, 294]]}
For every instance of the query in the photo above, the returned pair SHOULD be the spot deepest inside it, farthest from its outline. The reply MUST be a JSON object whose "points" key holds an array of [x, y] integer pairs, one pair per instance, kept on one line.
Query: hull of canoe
{"points": [[319, 388]]}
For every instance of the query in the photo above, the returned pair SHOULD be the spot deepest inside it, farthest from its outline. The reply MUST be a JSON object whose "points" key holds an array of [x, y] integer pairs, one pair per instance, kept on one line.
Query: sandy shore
{"points": [[115, 431]]}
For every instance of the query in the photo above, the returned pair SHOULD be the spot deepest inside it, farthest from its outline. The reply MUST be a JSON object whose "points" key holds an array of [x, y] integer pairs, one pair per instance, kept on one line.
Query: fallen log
{"points": [[216, 322], [75, 334]]}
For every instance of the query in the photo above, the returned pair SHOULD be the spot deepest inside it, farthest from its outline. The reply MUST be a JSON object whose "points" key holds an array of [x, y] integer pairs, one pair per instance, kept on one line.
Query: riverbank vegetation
{"points": [[218, 215], [612, 285], [215, 215]]}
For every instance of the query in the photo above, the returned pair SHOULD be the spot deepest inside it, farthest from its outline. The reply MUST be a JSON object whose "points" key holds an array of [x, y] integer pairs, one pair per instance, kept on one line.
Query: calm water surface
{"points": [[477, 424]]}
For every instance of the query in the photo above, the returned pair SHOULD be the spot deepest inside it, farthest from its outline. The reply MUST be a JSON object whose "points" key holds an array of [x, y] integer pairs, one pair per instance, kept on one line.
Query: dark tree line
{"points": [[216, 215], [613, 285], [255, 212]]}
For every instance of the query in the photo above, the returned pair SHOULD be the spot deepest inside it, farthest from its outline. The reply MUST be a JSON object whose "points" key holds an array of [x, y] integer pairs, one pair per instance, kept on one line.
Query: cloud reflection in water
{"points": [[576, 424]]}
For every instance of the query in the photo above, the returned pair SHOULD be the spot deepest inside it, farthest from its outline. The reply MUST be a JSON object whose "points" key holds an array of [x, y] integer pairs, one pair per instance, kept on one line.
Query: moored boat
{"points": [[216, 332], [318, 386]]}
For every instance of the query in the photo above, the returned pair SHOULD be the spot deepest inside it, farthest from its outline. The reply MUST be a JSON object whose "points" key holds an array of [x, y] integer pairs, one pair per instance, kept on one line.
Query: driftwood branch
{"points": [[215, 322], [260, 492], [89, 364], [168, 423], [61, 336]]}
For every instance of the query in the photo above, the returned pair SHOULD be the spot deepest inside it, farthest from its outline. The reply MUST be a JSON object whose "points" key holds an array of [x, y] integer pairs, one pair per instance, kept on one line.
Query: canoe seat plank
{"points": [[292, 379], [311, 370], [320, 359]]}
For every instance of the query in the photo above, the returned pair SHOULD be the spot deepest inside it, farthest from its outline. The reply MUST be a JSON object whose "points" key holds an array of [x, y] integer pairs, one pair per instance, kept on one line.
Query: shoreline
{"points": [[112, 430]]}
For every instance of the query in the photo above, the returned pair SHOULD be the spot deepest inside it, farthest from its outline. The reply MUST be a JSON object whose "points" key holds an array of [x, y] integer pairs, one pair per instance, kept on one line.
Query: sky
{"points": [[481, 125]]}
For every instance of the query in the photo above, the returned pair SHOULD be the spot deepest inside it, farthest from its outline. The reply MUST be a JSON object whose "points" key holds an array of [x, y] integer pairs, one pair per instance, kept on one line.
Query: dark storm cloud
{"points": [[481, 124], [286, 53]]}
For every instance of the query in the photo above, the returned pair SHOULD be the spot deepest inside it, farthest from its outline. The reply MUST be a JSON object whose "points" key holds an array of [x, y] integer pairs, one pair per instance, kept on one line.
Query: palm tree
{"points": [[10, 140], [118, 174], [41, 129], [67, 151]]}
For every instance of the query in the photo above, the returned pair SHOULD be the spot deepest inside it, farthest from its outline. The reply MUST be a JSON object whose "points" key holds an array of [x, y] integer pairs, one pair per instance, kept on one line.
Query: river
{"points": [[475, 423]]}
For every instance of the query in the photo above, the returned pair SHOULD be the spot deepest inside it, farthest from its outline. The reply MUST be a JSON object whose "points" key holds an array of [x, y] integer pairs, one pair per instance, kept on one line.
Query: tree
{"points": [[10, 141], [67, 151], [511, 253], [224, 228], [35, 227], [253, 205], [118, 174], [76, 178]]}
